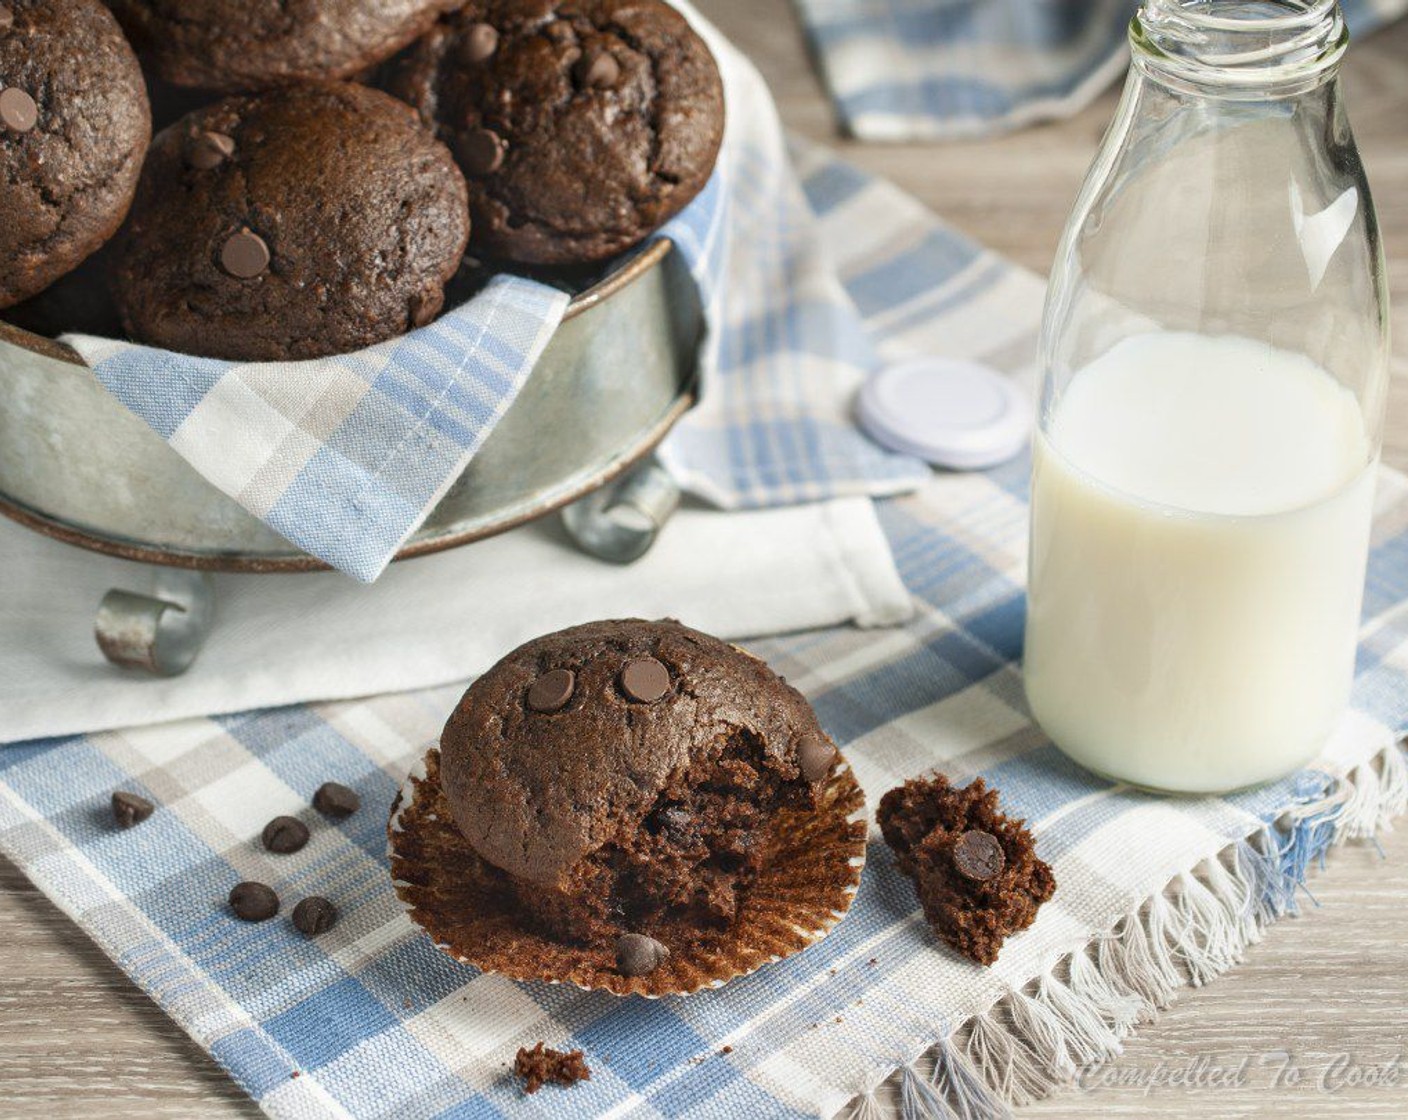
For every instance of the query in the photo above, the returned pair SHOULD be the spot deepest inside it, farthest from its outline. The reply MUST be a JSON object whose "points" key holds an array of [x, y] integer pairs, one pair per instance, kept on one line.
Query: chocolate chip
{"points": [[284, 835], [7, 19], [206, 151], [129, 809], [597, 69], [314, 915], [18, 112], [244, 255], [978, 856], [479, 43], [638, 955], [552, 690], [815, 754], [335, 800], [254, 902], [645, 680], [481, 151]]}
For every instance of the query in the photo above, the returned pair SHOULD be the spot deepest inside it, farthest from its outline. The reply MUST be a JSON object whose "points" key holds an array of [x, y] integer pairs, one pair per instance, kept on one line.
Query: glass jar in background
{"points": [[1215, 357]]}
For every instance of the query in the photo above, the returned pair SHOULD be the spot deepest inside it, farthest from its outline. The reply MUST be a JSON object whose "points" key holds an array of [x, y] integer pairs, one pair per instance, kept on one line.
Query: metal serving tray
{"points": [[616, 376]]}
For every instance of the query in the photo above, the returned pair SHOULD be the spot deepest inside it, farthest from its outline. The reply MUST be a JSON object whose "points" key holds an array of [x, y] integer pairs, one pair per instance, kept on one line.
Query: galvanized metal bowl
{"points": [[616, 376]]}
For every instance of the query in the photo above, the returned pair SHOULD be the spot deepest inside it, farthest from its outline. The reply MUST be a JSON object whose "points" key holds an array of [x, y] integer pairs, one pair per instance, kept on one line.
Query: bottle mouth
{"points": [[1240, 43]]}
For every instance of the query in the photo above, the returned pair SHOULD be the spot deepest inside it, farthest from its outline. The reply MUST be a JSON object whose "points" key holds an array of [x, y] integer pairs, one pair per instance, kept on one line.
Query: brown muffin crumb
{"points": [[976, 871], [538, 1066]]}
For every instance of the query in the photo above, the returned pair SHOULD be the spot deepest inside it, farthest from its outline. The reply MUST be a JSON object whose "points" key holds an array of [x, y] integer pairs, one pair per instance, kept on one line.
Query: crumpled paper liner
{"points": [[463, 903]]}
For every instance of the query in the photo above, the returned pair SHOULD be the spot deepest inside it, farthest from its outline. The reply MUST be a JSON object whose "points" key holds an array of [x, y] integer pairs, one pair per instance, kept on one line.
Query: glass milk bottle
{"points": [[1215, 353]]}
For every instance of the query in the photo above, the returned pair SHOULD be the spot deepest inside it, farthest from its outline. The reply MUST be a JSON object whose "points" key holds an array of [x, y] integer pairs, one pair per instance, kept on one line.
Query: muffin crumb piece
{"points": [[538, 1066], [976, 871]]}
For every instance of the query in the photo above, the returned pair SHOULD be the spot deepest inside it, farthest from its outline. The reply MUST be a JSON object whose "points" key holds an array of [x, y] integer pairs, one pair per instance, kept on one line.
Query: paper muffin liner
{"points": [[465, 906]]}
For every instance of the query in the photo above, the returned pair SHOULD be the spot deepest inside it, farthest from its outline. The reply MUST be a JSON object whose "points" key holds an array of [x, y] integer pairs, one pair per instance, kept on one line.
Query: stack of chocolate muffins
{"points": [[325, 167]]}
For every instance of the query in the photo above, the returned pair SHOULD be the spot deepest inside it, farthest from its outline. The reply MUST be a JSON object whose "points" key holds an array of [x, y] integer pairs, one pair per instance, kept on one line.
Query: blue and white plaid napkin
{"points": [[943, 69], [369, 1020], [345, 456]]}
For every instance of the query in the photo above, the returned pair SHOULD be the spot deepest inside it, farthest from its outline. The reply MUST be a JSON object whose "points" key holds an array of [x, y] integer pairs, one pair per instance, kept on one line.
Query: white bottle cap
{"points": [[954, 414]]}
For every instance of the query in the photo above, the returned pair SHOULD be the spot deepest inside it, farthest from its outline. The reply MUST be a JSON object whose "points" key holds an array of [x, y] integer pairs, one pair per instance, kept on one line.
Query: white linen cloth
{"points": [[280, 639]]}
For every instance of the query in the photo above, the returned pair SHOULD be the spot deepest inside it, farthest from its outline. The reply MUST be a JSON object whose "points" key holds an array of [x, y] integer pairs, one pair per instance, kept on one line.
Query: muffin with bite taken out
{"points": [[643, 807]]}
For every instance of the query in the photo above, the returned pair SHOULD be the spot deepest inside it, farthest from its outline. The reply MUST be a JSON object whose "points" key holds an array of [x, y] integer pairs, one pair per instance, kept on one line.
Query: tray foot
{"points": [[619, 522], [161, 632]]}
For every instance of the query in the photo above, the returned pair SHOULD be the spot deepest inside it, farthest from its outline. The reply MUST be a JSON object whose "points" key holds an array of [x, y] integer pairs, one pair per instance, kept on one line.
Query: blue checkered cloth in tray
{"points": [[369, 1020], [345, 456], [941, 69]]}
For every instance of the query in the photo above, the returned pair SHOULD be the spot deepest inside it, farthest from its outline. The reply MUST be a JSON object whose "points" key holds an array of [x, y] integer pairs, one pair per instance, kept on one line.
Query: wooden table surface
{"points": [[1321, 1002]]}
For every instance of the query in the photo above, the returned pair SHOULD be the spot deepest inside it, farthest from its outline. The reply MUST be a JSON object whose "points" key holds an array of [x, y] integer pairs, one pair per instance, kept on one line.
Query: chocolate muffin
{"points": [[235, 45], [74, 126], [582, 125], [622, 777], [975, 870], [307, 221]]}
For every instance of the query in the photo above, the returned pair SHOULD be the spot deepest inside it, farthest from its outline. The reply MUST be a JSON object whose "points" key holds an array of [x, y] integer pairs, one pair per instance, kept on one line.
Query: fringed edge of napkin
{"points": [[1076, 1016]]}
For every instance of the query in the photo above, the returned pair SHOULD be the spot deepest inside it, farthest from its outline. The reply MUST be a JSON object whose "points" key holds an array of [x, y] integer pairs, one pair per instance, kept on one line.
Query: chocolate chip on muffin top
{"points": [[231, 45], [582, 125], [74, 126], [302, 222]]}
